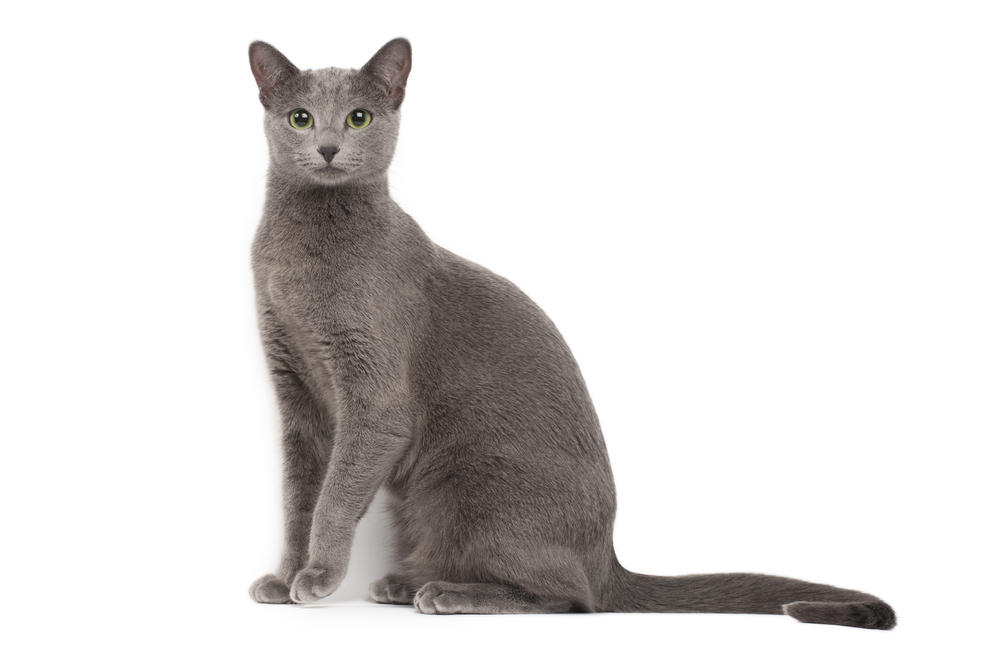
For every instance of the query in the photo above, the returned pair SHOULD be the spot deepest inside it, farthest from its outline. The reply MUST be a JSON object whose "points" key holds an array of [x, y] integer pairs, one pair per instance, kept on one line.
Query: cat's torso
{"points": [[501, 422]]}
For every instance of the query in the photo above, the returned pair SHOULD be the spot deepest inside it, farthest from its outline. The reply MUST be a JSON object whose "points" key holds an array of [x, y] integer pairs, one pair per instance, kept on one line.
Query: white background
{"points": [[769, 232]]}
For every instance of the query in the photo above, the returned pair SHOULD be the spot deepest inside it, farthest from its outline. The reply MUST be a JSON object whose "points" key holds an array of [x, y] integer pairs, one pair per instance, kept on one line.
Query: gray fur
{"points": [[400, 365]]}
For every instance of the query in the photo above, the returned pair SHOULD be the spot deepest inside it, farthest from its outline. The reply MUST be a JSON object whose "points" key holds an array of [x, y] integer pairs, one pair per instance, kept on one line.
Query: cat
{"points": [[402, 366]]}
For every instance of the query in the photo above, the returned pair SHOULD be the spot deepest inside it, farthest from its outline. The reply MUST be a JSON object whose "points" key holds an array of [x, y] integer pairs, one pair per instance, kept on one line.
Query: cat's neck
{"points": [[364, 204], [372, 189]]}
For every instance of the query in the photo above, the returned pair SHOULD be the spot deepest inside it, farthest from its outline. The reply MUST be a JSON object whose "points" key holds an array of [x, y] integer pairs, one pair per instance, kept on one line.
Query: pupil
{"points": [[301, 118], [359, 117]]}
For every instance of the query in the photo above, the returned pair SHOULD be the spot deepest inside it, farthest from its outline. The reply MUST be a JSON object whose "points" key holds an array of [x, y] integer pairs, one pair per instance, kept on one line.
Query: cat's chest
{"points": [[313, 280], [295, 271]]}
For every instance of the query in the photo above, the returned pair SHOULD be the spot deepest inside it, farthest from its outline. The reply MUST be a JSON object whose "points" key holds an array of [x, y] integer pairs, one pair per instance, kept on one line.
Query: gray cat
{"points": [[400, 365]]}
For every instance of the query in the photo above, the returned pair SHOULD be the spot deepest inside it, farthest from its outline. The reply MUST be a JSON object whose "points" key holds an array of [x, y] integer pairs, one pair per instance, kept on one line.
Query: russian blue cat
{"points": [[402, 366]]}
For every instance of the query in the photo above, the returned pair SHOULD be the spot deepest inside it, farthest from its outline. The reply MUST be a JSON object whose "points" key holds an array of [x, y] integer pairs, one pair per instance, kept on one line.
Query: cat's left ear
{"points": [[271, 69], [389, 68]]}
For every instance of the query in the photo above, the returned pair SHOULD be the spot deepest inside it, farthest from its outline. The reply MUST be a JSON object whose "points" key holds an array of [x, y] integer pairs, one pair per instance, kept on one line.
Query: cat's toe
{"points": [[433, 598], [389, 590], [313, 583], [270, 590]]}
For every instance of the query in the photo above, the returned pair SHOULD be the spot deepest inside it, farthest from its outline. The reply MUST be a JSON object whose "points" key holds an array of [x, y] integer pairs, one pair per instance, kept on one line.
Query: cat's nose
{"points": [[328, 151]]}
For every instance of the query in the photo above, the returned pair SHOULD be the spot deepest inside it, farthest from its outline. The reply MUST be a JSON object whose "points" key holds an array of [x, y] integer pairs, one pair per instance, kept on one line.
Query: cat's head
{"points": [[331, 126]]}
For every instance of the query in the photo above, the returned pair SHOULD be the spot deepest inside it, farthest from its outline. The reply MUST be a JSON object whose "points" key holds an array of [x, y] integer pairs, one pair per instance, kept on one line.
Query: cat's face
{"points": [[331, 126]]}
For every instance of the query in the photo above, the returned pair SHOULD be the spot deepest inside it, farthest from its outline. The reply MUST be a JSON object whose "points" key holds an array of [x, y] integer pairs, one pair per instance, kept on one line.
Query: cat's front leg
{"points": [[307, 436], [304, 468], [365, 450]]}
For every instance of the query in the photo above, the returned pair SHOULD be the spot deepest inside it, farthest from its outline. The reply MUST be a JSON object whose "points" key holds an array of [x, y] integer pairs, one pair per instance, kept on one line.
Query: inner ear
{"points": [[271, 69], [389, 68]]}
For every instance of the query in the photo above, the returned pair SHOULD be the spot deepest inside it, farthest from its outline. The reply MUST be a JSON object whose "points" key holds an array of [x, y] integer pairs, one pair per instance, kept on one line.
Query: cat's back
{"points": [[508, 444], [486, 319], [500, 364]]}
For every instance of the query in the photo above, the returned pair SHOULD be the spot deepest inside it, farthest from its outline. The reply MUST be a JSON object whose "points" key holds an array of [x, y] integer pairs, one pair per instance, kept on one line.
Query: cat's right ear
{"points": [[271, 69]]}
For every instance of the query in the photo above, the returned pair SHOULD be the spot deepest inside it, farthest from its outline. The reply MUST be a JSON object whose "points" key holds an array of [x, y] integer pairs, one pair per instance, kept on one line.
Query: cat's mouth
{"points": [[330, 171]]}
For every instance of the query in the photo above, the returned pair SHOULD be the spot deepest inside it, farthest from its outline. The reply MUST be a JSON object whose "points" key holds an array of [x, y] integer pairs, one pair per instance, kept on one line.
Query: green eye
{"points": [[359, 118], [300, 119]]}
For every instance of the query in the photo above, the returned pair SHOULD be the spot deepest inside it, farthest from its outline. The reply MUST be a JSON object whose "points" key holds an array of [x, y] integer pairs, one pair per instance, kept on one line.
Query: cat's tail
{"points": [[740, 593]]}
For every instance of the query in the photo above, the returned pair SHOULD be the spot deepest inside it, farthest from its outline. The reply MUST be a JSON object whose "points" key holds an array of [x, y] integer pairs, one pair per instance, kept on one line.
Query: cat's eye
{"points": [[359, 118], [300, 119]]}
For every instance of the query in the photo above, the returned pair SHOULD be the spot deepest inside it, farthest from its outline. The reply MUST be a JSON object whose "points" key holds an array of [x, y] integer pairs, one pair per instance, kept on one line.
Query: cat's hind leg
{"points": [[391, 589], [440, 597]]}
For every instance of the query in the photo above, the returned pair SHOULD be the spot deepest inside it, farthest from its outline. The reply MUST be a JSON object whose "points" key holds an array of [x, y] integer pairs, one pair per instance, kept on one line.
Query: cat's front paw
{"points": [[270, 590], [314, 583]]}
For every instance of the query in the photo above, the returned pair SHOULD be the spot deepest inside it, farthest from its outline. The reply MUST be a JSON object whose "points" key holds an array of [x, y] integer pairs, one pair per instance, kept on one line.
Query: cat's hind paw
{"points": [[441, 597], [389, 590], [434, 598], [270, 590]]}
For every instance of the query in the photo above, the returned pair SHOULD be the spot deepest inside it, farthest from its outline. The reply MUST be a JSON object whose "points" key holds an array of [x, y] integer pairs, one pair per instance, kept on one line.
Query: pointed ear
{"points": [[389, 68], [271, 69]]}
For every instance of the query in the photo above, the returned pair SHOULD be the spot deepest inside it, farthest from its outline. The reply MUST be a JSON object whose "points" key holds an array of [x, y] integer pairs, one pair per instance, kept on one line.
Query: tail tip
{"points": [[875, 614]]}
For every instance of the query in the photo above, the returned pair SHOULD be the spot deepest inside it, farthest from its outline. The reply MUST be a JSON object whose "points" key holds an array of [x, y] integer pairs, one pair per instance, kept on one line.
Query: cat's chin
{"points": [[329, 175]]}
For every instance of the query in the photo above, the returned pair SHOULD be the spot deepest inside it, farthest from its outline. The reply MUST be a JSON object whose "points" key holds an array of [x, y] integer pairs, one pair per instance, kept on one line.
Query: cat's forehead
{"points": [[330, 83]]}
